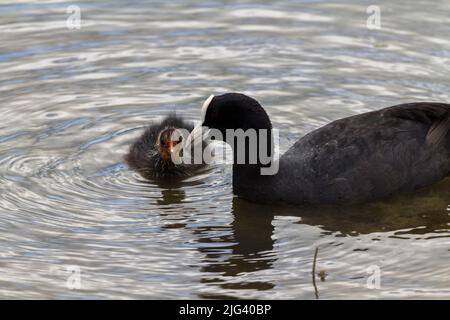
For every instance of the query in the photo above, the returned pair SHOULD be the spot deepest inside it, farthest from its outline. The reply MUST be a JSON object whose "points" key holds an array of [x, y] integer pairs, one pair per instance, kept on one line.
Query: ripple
{"points": [[74, 100]]}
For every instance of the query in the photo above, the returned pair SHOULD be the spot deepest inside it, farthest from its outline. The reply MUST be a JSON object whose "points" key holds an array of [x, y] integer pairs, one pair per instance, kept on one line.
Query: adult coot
{"points": [[355, 159], [150, 154]]}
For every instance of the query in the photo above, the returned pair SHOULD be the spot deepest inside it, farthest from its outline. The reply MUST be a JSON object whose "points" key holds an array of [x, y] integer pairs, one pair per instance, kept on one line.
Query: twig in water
{"points": [[316, 292]]}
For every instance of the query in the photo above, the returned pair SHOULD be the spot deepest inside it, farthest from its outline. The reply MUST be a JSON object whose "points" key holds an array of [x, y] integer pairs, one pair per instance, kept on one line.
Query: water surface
{"points": [[72, 101]]}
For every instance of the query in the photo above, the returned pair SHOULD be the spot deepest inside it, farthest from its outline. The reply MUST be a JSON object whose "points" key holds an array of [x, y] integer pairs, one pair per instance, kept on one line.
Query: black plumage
{"points": [[352, 160], [145, 158]]}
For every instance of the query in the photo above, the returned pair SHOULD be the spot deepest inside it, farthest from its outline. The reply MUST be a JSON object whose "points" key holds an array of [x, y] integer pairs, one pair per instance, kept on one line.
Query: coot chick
{"points": [[150, 154], [352, 160]]}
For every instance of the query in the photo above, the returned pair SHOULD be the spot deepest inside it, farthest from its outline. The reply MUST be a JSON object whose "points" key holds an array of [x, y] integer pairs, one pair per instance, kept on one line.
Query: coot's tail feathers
{"points": [[435, 115], [439, 131]]}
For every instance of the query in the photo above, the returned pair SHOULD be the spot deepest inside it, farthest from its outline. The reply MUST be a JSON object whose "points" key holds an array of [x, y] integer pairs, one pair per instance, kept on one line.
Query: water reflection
{"points": [[75, 99], [249, 249], [243, 246], [423, 212], [246, 245], [171, 193], [233, 252]]}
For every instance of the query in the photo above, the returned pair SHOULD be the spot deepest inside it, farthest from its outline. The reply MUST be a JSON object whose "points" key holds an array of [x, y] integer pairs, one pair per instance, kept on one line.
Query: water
{"points": [[72, 101]]}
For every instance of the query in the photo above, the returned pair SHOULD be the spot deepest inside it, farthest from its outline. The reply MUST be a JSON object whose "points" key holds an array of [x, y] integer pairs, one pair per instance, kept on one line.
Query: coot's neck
{"points": [[248, 181], [246, 127], [255, 175]]}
